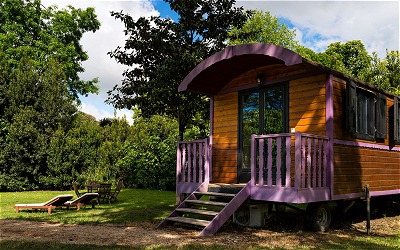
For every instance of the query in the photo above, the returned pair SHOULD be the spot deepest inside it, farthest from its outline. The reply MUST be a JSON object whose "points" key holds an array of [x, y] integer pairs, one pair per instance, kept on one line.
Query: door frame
{"points": [[244, 175]]}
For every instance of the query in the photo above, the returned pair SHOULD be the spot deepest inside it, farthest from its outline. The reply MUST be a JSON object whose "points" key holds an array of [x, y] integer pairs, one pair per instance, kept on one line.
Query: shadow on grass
{"points": [[37, 245], [133, 205]]}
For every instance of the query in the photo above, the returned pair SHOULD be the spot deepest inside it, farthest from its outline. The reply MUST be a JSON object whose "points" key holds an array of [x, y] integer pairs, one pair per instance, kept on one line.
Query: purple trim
{"points": [[210, 155], [361, 195], [304, 195], [347, 196], [297, 161], [329, 116], [365, 145], [215, 71], [253, 160]]}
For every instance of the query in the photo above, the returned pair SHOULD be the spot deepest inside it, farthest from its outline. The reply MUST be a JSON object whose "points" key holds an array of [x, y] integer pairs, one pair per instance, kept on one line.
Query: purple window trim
{"points": [[329, 116], [365, 145]]}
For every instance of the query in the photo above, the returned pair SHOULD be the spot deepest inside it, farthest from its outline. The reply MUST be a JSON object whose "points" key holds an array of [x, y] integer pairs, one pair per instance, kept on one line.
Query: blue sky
{"points": [[317, 24]]}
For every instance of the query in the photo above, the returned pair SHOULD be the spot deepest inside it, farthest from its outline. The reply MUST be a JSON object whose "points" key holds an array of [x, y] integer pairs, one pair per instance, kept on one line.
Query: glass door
{"points": [[261, 111]]}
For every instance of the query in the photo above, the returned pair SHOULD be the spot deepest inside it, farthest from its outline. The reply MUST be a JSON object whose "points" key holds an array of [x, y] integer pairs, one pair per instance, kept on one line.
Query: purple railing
{"points": [[193, 165], [272, 162]]}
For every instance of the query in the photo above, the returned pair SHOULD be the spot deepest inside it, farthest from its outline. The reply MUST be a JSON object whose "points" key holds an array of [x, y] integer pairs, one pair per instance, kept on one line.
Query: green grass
{"points": [[133, 205]]}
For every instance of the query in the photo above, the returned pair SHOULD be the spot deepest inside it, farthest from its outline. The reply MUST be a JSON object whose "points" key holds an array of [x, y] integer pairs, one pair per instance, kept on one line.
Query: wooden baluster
{"points": [[201, 155], [261, 162], [288, 160], [184, 164], [189, 172], [298, 160], [303, 162], [308, 162], [178, 164], [195, 161], [207, 164], [278, 161], [269, 162], [314, 163], [253, 160], [324, 181], [320, 155]]}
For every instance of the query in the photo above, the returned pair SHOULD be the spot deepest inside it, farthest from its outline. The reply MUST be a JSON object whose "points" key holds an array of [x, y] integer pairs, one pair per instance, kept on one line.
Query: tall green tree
{"points": [[37, 104], [28, 29], [162, 52], [40, 62], [262, 27], [350, 57]]}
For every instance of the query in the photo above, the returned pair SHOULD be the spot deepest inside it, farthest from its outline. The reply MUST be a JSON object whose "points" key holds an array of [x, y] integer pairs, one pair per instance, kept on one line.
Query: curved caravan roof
{"points": [[213, 73]]}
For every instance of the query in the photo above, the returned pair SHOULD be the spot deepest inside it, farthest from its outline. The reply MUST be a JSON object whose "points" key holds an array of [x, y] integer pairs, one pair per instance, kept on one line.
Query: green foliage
{"points": [[150, 160], [384, 73], [166, 51], [35, 104], [350, 58], [28, 29], [262, 27]]}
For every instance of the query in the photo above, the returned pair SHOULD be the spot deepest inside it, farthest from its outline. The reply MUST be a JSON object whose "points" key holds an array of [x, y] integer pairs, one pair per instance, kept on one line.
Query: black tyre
{"points": [[318, 216], [242, 216]]}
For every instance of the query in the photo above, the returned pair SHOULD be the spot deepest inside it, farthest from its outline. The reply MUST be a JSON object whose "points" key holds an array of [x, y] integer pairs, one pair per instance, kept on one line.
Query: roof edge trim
{"points": [[288, 57]]}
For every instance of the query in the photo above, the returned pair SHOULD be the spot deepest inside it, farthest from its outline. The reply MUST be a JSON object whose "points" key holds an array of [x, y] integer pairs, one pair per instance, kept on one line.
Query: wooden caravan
{"points": [[284, 130]]}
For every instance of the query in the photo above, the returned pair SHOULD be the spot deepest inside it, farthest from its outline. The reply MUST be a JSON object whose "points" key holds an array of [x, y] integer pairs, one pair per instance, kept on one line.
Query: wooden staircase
{"points": [[208, 210]]}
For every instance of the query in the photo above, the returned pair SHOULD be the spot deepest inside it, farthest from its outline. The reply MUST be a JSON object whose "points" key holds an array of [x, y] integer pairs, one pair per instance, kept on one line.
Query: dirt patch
{"points": [[282, 231]]}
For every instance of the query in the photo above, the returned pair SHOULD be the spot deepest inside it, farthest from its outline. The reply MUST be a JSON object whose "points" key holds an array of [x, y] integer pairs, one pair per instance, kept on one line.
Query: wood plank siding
{"points": [[355, 167], [307, 105], [225, 138], [306, 114]]}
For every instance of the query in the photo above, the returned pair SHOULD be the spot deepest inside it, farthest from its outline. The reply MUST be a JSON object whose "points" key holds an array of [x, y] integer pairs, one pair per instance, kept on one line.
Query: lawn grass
{"points": [[133, 205], [136, 205]]}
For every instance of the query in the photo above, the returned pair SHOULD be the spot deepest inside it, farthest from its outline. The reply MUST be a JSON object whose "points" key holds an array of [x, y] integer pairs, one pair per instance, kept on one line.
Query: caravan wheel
{"points": [[318, 216], [242, 216]]}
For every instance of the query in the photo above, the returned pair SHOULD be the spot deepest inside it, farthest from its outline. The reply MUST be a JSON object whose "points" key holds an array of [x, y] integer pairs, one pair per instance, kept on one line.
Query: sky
{"points": [[317, 24]]}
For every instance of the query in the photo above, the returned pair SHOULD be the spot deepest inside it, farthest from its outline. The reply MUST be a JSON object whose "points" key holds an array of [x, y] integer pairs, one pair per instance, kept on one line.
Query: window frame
{"points": [[375, 115]]}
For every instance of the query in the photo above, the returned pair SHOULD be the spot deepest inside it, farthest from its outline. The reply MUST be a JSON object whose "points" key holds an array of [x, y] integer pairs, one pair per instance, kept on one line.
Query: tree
{"points": [[162, 52], [384, 73], [40, 58], [28, 29], [262, 27], [351, 57], [150, 156], [37, 104]]}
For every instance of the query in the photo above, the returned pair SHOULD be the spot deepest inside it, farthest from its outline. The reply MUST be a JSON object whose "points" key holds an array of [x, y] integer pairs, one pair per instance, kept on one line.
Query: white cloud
{"points": [[100, 113], [98, 44], [318, 23]]}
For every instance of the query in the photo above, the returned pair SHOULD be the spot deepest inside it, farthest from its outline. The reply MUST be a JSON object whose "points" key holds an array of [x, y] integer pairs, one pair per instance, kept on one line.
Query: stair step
{"points": [[197, 211], [215, 194], [210, 203], [191, 221]]}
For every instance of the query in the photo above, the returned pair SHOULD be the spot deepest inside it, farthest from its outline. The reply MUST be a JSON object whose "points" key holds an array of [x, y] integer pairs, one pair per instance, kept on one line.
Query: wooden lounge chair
{"points": [[114, 194], [55, 202], [76, 189], [82, 201]]}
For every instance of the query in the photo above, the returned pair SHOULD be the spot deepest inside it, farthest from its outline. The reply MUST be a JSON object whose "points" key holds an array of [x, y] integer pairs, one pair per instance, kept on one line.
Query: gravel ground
{"points": [[283, 231]]}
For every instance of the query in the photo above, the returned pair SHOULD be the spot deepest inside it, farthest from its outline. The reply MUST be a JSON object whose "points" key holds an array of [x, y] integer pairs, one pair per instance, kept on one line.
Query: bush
{"points": [[150, 159]]}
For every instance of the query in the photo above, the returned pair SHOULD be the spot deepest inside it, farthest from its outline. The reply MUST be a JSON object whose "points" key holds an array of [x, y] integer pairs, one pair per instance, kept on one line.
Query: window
{"points": [[366, 113]]}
